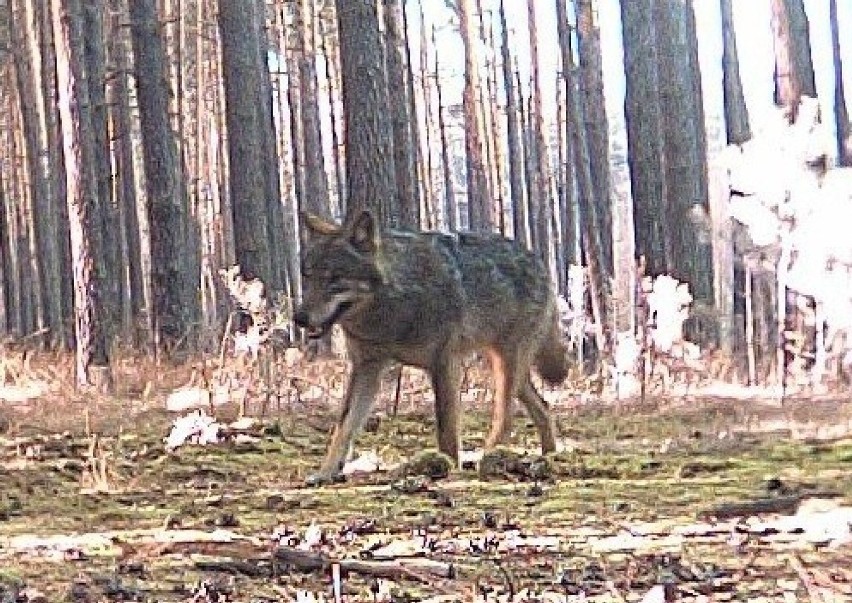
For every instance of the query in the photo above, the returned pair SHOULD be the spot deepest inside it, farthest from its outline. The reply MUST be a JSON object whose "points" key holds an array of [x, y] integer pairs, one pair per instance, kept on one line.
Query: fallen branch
{"points": [[418, 570]]}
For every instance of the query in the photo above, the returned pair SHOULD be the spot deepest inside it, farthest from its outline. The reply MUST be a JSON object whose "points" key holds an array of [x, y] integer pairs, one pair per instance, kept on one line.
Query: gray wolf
{"points": [[428, 300]]}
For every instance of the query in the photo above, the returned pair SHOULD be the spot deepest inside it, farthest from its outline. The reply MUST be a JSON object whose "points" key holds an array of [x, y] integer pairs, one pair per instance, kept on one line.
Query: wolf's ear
{"points": [[316, 225], [364, 233]]}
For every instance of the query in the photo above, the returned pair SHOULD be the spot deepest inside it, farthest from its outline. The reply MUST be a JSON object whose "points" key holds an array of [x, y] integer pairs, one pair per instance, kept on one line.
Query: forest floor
{"points": [[698, 498]]}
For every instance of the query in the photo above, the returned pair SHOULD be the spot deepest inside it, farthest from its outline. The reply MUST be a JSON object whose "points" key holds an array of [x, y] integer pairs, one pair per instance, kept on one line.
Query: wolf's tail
{"points": [[551, 359]]}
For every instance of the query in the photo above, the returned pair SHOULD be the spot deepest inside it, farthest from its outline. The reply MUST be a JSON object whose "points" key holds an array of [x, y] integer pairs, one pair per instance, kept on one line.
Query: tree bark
{"points": [[479, 207], [644, 128], [81, 188], [408, 198], [794, 73], [841, 114], [685, 148], [242, 83], [597, 129], [520, 221], [737, 126], [174, 259], [370, 177]]}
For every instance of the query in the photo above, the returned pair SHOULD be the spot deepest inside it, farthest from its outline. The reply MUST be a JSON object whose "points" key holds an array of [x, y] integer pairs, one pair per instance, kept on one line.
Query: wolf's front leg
{"points": [[360, 396], [446, 379]]}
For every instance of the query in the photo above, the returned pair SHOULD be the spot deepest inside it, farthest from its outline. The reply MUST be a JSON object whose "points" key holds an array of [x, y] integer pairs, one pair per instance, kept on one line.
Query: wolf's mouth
{"points": [[321, 330]]}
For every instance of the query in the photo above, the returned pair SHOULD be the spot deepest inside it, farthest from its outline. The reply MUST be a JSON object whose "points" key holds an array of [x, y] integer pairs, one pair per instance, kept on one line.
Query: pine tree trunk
{"points": [[520, 221], [408, 198], [794, 73], [315, 183], [597, 129], [685, 148], [133, 300], [269, 156], [644, 128], [568, 210], [737, 125], [28, 67], [370, 178], [81, 189], [173, 258], [451, 222], [540, 198], [841, 114], [242, 83], [93, 32], [479, 207]]}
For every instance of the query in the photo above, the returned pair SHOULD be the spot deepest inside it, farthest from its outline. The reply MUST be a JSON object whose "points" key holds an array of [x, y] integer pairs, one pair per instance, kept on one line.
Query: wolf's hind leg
{"points": [[539, 413], [360, 396], [501, 412], [446, 379]]}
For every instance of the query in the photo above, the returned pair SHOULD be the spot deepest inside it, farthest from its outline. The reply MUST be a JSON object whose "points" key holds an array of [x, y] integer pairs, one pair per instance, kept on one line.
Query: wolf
{"points": [[428, 300]]}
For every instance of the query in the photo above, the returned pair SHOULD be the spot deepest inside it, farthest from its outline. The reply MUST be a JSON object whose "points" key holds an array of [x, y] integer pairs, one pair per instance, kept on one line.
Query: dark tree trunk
{"points": [[592, 96], [520, 223], [684, 146], [370, 178], [405, 168], [644, 128], [174, 259], [737, 126], [841, 114], [794, 72], [242, 82]]}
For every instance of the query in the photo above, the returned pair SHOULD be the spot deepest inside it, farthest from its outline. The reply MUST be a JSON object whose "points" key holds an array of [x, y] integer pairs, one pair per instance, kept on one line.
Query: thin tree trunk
{"points": [[737, 125], [841, 114], [315, 184], [597, 129], [520, 221], [450, 210], [540, 200], [401, 120]]}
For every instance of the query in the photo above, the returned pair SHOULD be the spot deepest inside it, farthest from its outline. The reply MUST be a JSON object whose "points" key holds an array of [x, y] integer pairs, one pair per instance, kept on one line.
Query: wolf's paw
{"points": [[315, 480]]}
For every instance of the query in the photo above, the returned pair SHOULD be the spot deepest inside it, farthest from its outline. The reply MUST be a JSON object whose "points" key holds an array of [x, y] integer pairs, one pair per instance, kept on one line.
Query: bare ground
{"points": [[681, 500]]}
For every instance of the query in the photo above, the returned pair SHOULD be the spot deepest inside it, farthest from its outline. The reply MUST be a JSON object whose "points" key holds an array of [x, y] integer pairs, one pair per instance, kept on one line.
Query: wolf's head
{"points": [[339, 270]]}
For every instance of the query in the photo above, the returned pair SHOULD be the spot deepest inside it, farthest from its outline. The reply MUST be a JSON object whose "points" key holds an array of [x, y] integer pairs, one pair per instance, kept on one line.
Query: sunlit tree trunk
{"points": [[540, 197], [81, 190]]}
